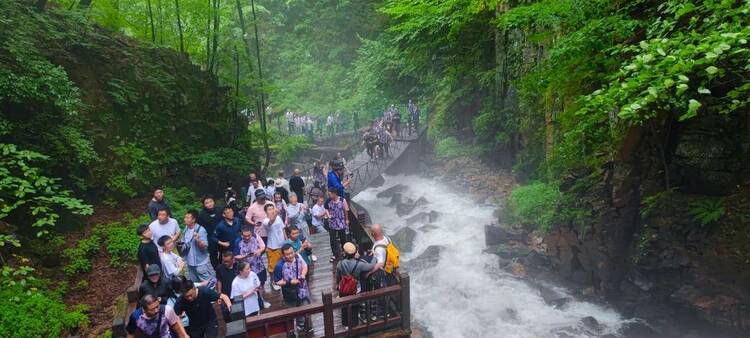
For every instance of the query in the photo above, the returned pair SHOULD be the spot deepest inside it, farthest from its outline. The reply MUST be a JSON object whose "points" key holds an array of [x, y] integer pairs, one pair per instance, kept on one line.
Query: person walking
{"points": [[336, 179], [157, 203], [209, 218], [276, 237], [289, 275], [246, 286], [338, 224], [228, 230], [154, 320], [297, 185], [196, 301], [353, 267], [196, 250]]}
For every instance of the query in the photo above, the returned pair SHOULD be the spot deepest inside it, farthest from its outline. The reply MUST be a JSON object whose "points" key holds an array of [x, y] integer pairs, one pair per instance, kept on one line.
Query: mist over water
{"points": [[466, 294]]}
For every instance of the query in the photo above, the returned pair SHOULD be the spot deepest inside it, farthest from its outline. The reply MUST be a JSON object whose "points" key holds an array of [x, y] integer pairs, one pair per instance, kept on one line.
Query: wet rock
{"points": [[405, 207], [426, 259], [509, 250], [421, 201], [591, 325], [552, 297], [390, 192], [396, 199], [434, 216], [498, 234], [404, 239], [418, 218], [378, 182], [428, 227], [518, 270], [637, 329], [536, 260]]}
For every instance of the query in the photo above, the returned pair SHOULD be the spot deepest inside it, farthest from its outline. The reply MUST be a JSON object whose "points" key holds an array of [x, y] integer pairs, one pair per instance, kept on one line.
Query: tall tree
{"points": [[261, 92], [179, 25], [151, 21]]}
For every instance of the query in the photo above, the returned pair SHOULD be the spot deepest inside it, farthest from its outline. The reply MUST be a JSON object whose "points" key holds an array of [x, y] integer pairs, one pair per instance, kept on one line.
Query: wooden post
{"points": [[405, 302], [328, 314]]}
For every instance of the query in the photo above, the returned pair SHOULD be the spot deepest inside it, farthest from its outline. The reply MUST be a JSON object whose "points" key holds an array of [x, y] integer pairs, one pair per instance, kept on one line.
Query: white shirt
{"points": [[317, 210], [170, 263], [284, 182], [379, 249], [275, 233], [251, 192], [169, 229], [241, 285]]}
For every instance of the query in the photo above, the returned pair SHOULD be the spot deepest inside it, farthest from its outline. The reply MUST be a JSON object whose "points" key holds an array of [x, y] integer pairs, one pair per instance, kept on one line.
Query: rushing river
{"points": [[465, 293]]}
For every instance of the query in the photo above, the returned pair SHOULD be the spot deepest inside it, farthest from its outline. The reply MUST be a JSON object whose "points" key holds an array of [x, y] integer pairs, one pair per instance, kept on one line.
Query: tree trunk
{"points": [[179, 25], [151, 21], [217, 26], [160, 16], [262, 88], [208, 37]]}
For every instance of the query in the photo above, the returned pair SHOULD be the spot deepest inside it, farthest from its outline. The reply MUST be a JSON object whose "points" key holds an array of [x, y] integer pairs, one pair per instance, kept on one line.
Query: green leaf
{"points": [[712, 70]]}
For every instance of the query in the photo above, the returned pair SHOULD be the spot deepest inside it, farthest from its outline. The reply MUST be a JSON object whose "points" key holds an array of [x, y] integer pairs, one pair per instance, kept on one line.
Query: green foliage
{"points": [[536, 204], [29, 198], [707, 210], [651, 203], [286, 149], [181, 200], [449, 147], [26, 311], [121, 241], [79, 257]]}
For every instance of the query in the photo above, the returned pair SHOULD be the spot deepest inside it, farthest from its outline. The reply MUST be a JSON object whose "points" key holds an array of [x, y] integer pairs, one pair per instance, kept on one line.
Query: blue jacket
{"points": [[334, 182], [228, 232]]}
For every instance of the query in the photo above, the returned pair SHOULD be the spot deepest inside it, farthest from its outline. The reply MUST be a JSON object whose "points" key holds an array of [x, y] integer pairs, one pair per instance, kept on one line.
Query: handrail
{"points": [[401, 319]]}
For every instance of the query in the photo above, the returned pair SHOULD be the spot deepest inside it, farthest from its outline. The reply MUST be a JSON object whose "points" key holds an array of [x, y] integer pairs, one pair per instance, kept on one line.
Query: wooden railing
{"points": [[393, 302], [122, 311]]}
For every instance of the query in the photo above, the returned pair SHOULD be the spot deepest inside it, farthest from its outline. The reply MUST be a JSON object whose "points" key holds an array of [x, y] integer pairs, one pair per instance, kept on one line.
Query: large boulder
{"points": [[396, 199], [426, 259], [434, 215], [398, 188], [421, 201], [405, 207], [377, 182], [421, 217], [404, 239], [498, 234]]}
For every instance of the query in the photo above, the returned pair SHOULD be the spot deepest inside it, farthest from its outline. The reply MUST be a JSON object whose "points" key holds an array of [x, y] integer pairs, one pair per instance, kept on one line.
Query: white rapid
{"points": [[466, 294]]}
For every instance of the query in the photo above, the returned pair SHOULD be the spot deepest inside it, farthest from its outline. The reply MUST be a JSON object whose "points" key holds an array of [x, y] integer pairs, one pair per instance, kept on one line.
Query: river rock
{"points": [[637, 329], [405, 207], [421, 201], [428, 227], [498, 234], [377, 182], [396, 199], [434, 216], [390, 192], [591, 325], [428, 258], [552, 297], [418, 218], [404, 239]]}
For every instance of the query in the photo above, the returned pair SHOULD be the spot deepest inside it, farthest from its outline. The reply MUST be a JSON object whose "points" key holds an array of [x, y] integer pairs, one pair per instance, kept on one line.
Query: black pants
{"points": [[210, 330], [213, 254], [338, 239]]}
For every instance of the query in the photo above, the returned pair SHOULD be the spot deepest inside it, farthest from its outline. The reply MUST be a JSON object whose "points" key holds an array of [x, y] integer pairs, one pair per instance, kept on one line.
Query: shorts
{"points": [[200, 273], [273, 257]]}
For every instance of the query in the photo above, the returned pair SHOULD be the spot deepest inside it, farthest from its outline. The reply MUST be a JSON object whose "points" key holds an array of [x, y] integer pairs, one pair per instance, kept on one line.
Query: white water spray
{"points": [[466, 294]]}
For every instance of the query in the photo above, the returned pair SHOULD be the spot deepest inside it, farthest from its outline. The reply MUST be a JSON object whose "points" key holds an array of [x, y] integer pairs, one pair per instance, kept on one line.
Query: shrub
{"points": [[122, 244], [535, 204], [26, 311], [707, 210], [79, 257], [449, 147], [180, 201]]}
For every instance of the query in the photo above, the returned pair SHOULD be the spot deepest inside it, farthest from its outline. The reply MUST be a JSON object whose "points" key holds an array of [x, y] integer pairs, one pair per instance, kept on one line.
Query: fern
{"points": [[707, 211]]}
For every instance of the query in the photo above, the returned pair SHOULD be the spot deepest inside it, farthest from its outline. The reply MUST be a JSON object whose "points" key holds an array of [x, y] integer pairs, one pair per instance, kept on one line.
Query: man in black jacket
{"points": [[297, 185], [155, 285], [209, 217]]}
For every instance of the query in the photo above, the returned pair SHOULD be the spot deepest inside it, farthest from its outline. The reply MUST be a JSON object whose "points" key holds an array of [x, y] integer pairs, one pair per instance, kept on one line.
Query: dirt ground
{"points": [[105, 283]]}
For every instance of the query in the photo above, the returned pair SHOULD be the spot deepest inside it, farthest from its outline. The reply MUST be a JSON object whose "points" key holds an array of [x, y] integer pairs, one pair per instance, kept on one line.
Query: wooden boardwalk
{"points": [[320, 278], [366, 170]]}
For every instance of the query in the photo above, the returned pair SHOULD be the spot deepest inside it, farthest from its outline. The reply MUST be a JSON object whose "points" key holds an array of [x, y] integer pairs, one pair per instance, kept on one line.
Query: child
{"points": [[148, 253], [172, 264]]}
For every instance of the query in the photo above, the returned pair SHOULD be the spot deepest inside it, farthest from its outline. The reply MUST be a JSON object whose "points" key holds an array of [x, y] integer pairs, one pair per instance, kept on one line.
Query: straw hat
{"points": [[350, 248]]}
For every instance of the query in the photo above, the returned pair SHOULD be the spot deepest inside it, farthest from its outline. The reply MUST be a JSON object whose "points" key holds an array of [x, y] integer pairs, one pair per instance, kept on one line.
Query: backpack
{"points": [[391, 256], [348, 284]]}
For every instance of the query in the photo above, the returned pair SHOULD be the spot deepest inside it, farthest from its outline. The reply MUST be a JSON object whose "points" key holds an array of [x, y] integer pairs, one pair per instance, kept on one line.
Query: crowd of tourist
{"points": [[245, 250]]}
